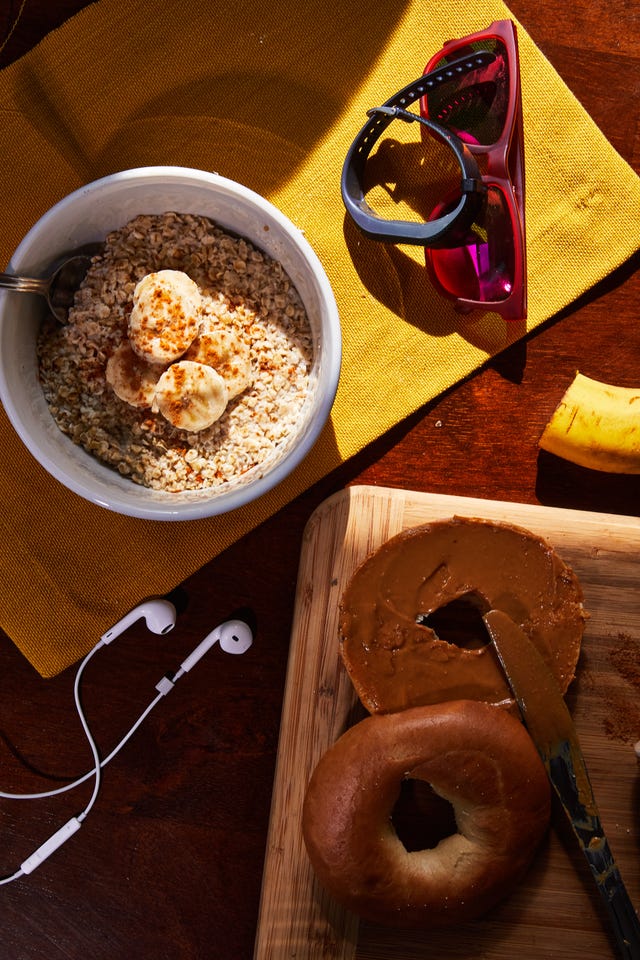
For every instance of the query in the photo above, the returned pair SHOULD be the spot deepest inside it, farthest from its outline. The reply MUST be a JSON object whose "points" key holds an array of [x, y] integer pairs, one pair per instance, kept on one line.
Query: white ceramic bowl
{"points": [[89, 214]]}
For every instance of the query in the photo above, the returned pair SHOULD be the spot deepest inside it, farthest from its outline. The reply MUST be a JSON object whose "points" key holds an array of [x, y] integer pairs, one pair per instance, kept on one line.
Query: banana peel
{"points": [[596, 425]]}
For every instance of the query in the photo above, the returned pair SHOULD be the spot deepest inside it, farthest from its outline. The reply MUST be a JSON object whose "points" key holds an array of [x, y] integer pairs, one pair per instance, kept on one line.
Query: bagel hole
{"points": [[420, 817], [459, 622]]}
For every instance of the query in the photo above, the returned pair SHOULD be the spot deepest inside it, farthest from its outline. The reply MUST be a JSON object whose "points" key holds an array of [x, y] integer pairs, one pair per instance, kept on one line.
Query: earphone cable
{"points": [[234, 636], [97, 769], [101, 763], [74, 824]]}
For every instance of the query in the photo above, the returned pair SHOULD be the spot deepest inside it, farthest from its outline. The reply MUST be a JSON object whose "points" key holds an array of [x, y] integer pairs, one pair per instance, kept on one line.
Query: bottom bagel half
{"points": [[475, 756]]}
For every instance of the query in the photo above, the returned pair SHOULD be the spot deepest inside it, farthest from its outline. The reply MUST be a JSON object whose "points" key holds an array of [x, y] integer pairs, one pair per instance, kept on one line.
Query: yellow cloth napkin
{"points": [[270, 95]]}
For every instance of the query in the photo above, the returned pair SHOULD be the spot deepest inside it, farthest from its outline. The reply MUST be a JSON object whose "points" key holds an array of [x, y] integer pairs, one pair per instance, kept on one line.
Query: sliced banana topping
{"points": [[191, 395], [166, 315], [132, 378], [226, 351]]}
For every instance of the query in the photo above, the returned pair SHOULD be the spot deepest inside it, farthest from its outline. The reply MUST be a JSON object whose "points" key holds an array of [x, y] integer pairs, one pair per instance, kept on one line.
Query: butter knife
{"points": [[551, 728]]}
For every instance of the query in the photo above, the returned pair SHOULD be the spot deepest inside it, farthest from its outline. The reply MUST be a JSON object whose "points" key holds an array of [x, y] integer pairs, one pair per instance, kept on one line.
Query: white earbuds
{"points": [[234, 636], [160, 616]]}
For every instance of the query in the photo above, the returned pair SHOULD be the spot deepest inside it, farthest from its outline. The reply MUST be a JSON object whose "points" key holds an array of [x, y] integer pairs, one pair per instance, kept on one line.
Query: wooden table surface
{"points": [[169, 864]]}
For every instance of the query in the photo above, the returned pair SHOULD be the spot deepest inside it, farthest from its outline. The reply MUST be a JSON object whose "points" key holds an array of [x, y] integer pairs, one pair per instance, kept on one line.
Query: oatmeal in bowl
{"points": [[201, 356], [224, 311]]}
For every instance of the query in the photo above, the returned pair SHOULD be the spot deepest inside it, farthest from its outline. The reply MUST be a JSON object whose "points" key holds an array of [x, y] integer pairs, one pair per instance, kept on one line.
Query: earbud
{"points": [[160, 616], [234, 636]]}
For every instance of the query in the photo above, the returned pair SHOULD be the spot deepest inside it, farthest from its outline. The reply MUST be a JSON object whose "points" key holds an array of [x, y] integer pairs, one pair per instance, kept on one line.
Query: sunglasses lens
{"points": [[481, 266], [475, 106]]}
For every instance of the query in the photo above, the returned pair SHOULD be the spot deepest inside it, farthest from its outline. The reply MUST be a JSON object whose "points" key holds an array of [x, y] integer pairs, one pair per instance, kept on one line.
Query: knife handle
{"points": [[624, 921], [622, 915]]}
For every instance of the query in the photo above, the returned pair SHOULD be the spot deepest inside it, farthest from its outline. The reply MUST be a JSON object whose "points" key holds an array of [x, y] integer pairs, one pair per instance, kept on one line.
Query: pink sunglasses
{"points": [[475, 238]]}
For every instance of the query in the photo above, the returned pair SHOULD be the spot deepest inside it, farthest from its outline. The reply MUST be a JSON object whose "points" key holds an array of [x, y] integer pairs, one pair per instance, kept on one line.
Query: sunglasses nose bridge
{"points": [[493, 159]]}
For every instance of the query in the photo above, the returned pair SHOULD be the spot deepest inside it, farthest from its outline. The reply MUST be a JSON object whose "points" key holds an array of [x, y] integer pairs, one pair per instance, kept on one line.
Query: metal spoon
{"points": [[60, 286]]}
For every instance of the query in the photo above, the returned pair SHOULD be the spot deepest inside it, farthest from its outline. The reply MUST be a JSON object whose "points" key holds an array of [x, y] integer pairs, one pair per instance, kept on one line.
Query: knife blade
{"points": [[547, 718]]}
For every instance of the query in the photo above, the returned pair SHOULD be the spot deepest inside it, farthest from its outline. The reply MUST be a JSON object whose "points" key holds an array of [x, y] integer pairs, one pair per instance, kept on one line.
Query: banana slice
{"points": [[191, 395], [131, 378], [227, 352], [166, 315]]}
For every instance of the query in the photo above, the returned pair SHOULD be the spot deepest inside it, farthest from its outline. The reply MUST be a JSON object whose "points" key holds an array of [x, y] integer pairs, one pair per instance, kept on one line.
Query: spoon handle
{"points": [[24, 284]]}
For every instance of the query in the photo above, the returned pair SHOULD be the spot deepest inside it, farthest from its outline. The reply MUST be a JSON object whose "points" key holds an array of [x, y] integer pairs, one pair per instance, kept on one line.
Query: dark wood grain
{"points": [[169, 864]]}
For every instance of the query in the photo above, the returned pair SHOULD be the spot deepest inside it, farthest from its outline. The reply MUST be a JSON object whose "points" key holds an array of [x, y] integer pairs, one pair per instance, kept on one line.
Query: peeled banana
{"points": [[596, 425], [174, 360]]}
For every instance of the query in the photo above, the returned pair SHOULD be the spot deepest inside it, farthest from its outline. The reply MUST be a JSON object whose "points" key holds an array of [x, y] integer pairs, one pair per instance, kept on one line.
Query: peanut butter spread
{"points": [[411, 628]]}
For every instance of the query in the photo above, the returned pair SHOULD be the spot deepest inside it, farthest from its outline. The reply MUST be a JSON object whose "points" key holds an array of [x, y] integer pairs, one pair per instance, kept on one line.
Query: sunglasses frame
{"points": [[511, 187]]}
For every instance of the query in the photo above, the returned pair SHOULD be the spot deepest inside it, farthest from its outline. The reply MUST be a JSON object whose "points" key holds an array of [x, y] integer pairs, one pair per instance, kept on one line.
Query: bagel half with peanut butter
{"points": [[390, 639]]}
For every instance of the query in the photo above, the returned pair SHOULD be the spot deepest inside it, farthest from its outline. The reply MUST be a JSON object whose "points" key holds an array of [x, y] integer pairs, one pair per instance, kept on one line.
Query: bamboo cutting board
{"points": [[555, 912]]}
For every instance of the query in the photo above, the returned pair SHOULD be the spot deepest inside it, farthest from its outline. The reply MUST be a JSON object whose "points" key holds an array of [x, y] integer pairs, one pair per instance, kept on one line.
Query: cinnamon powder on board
{"points": [[623, 716]]}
